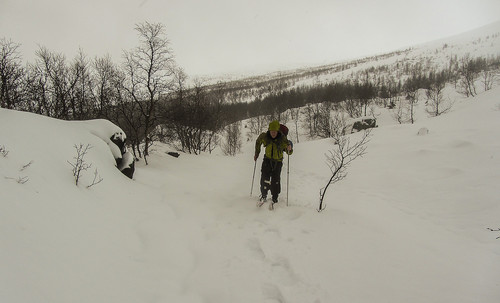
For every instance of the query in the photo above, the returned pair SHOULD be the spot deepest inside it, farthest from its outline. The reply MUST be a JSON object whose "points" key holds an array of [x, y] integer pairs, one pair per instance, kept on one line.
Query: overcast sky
{"points": [[241, 36]]}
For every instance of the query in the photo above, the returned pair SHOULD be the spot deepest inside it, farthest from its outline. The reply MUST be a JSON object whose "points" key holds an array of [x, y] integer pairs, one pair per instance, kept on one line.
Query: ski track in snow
{"points": [[268, 245]]}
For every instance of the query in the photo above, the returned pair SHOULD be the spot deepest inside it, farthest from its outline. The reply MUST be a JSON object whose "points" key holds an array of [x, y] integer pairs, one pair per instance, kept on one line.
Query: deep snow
{"points": [[408, 224]]}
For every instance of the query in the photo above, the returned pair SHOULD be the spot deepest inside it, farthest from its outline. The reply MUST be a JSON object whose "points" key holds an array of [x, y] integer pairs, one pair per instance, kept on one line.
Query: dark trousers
{"points": [[270, 177]]}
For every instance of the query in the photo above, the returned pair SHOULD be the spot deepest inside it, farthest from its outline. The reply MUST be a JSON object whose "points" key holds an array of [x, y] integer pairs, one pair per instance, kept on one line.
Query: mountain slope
{"points": [[438, 55], [408, 224]]}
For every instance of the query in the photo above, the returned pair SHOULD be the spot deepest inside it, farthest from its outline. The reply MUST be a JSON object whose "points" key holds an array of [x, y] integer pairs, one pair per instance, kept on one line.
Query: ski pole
{"points": [[253, 178], [287, 178]]}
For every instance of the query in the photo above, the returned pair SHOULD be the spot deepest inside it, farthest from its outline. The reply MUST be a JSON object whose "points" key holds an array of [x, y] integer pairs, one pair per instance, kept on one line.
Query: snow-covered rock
{"points": [[423, 131]]}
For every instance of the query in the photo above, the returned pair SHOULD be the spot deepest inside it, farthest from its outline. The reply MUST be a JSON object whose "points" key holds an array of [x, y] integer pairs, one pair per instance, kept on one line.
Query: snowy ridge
{"points": [[408, 224], [482, 42]]}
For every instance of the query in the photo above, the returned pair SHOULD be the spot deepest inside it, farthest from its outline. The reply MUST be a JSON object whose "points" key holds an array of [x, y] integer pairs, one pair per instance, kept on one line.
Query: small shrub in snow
{"points": [[498, 229], [20, 180], [79, 164], [340, 158], [3, 151]]}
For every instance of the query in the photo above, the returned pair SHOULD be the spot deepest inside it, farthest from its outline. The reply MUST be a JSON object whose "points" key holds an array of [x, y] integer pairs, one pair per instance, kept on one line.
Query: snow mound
{"points": [[49, 144]]}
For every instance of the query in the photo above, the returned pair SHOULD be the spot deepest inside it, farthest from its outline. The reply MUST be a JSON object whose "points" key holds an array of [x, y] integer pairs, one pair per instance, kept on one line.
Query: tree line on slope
{"points": [[149, 97]]}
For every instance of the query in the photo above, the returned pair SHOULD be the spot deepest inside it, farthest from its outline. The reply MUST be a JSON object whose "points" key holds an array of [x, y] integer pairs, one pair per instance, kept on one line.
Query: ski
{"points": [[263, 200], [260, 203]]}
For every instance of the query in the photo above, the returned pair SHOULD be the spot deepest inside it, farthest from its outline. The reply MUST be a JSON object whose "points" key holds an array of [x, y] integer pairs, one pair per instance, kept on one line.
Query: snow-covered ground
{"points": [[408, 224]]}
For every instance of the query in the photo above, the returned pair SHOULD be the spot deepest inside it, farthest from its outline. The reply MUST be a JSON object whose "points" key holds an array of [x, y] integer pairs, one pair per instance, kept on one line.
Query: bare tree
{"points": [[469, 71], [218, 118], [196, 117], [81, 103], [339, 159], [412, 99], [232, 134], [410, 88], [149, 71], [11, 74], [313, 117], [171, 114], [104, 93], [169, 128], [309, 123], [399, 112], [295, 115], [56, 83], [324, 121], [257, 125], [339, 125], [35, 88], [126, 114], [352, 106], [488, 78], [435, 100], [366, 92]]}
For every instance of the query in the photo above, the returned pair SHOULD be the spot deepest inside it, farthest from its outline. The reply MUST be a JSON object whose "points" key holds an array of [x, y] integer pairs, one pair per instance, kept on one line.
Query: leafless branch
{"points": [[26, 166], [498, 229], [20, 180], [97, 179]]}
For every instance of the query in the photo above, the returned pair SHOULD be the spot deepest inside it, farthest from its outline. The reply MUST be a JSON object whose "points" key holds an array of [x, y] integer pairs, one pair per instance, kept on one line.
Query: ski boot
{"points": [[262, 200], [271, 205]]}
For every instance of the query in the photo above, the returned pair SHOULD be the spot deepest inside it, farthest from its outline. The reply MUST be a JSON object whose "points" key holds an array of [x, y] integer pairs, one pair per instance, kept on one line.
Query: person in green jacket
{"points": [[275, 143]]}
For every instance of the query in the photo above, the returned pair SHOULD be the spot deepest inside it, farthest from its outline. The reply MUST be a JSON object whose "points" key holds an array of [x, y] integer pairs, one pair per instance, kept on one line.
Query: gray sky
{"points": [[227, 36]]}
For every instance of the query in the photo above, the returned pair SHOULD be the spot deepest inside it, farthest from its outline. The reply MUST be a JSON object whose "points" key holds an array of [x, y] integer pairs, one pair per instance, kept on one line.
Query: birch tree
{"points": [[149, 75]]}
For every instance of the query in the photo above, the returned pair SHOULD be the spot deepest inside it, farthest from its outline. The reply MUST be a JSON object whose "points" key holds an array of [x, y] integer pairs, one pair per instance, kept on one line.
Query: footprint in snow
{"points": [[283, 270], [256, 249]]}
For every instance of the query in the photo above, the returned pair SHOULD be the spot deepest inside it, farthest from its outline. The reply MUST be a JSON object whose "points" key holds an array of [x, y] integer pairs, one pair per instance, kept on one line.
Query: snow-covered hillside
{"points": [[435, 55], [482, 42], [408, 224]]}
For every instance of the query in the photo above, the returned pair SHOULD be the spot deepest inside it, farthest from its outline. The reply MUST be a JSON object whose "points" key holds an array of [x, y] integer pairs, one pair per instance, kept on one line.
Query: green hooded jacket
{"points": [[273, 147]]}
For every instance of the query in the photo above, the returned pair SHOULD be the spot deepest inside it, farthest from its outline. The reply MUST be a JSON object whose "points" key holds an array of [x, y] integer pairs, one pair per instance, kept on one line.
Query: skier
{"points": [[275, 142]]}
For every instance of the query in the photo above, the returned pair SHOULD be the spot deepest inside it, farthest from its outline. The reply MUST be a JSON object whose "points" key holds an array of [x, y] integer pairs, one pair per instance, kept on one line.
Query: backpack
{"points": [[283, 129]]}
